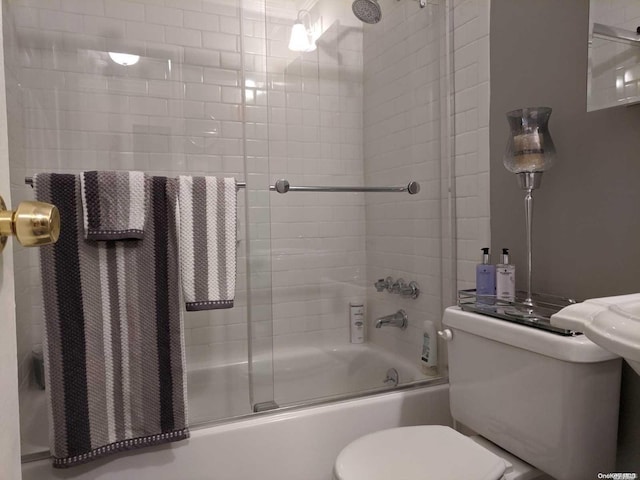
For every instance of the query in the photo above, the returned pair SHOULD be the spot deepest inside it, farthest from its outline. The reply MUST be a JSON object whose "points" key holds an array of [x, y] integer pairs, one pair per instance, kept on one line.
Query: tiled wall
{"points": [[218, 92], [471, 126], [403, 90]]}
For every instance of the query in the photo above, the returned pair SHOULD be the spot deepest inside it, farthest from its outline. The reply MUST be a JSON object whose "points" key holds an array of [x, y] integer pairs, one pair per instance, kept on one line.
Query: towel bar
{"points": [[29, 181]]}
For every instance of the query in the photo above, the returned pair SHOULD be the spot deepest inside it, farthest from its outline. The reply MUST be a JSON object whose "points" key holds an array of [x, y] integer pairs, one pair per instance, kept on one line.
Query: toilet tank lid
{"points": [[578, 349], [426, 452]]}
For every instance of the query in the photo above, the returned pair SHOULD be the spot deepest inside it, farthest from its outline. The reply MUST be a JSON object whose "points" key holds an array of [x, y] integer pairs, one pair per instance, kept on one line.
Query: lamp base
{"points": [[529, 180]]}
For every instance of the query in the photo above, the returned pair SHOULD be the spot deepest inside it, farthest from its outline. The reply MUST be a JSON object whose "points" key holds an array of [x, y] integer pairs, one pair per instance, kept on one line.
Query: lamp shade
{"points": [[300, 40]]}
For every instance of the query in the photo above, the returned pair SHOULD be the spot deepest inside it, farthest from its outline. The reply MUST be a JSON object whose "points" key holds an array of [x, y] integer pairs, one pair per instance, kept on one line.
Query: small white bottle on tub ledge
{"points": [[356, 322], [429, 359]]}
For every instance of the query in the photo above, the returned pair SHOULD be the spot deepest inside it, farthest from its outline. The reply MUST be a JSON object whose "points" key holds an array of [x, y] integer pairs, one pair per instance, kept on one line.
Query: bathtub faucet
{"points": [[398, 319]]}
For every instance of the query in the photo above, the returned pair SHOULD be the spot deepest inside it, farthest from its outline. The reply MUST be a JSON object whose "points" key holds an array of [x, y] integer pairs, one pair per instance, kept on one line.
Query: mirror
{"points": [[614, 54]]}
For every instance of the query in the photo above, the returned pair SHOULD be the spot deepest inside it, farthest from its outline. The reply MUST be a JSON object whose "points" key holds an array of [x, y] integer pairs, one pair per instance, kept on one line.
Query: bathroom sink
{"points": [[611, 322]]}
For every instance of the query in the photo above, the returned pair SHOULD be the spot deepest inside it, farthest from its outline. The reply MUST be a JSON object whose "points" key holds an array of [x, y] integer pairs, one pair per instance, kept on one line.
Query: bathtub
{"points": [[300, 374], [293, 443]]}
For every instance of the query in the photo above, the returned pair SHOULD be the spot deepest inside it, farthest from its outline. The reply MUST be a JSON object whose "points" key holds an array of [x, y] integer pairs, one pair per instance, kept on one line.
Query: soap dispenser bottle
{"points": [[485, 275], [505, 278]]}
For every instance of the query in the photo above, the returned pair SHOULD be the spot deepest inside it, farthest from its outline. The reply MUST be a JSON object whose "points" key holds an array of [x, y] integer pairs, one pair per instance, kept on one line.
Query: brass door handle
{"points": [[33, 224]]}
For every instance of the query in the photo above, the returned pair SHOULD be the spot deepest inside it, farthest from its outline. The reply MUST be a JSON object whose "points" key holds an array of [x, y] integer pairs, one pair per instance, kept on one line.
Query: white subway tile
{"points": [[195, 5], [202, 21], [230, 60], [127, 85], [202, 57], [104, 27], [60, 21], [231, 95], [218, 76], [186, 109], [230, 25], [148, 106], [183, 36], [124, 10], [220, 41], [25, 16], [207, 93], [88, 7], [163, 15], [223, 111], [144, 31]]}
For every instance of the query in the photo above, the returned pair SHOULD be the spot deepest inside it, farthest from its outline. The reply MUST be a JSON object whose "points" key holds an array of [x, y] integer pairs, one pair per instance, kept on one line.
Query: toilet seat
{"points": [[429, 452]]}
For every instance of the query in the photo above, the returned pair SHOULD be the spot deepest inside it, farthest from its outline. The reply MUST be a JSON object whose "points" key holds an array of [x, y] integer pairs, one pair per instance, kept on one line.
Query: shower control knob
{"points": [[446, 334]]}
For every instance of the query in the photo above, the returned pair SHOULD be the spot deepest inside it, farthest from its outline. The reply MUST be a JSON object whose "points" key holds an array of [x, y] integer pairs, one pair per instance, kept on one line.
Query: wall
{"points": [[585, 222]]}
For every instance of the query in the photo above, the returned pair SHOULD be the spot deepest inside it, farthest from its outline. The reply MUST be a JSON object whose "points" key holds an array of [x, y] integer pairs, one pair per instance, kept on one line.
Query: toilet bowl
{"points": [[428, 452], [543, 405]]}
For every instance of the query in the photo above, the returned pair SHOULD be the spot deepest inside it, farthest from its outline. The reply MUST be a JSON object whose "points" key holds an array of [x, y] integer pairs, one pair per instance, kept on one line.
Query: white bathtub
{"points": [[298, 444], [298, 375]]}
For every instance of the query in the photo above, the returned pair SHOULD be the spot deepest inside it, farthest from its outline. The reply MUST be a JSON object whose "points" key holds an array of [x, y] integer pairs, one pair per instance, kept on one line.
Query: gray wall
{"points": [[587, 213]]}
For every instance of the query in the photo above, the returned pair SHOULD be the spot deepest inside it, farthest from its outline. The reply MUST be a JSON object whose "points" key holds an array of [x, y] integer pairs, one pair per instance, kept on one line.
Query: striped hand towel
{"points": [[208, 208], [114, 205], [114, 350]]}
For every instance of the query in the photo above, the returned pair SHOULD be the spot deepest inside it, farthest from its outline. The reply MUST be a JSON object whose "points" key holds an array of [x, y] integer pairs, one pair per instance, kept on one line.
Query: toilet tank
{"points": [[548, 399]]}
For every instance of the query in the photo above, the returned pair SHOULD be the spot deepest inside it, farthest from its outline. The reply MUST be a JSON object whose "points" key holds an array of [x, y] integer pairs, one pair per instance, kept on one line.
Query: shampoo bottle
{"points": [[505, 278], [429, 360], [485, 275], [356, 322]]}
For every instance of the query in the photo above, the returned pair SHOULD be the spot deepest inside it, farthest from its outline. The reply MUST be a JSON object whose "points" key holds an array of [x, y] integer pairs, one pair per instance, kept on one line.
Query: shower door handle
{"points": [[33, 223]]}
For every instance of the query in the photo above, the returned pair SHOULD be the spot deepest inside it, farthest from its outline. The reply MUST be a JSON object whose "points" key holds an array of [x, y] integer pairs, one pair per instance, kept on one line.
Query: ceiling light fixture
{"points": [[124, 59]]}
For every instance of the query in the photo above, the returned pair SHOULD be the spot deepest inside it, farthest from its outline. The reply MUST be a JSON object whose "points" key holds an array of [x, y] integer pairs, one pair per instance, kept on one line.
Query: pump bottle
{"points": [[505, 278], [485, 275]]}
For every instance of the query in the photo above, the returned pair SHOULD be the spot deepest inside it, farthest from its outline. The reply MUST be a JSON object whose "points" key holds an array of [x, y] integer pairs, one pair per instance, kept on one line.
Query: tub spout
{"points": [[398, 319]]}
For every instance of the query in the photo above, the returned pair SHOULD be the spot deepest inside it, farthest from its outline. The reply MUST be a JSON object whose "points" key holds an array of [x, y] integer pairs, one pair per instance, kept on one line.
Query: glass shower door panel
{"points": [[361, 109], [137, 86]]}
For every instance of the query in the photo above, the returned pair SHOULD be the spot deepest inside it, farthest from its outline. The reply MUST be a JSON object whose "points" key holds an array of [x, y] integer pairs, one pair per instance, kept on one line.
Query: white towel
{"points": [[208, 217]]}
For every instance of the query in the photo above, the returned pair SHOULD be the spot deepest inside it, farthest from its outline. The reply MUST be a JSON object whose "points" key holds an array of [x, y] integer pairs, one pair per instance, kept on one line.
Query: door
{"points": [[9, 427]]}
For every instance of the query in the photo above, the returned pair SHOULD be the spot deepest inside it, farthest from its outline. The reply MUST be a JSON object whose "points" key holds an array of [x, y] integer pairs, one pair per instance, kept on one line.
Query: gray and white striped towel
{"points": [[113, 345], [208, 217], [114, 205]]}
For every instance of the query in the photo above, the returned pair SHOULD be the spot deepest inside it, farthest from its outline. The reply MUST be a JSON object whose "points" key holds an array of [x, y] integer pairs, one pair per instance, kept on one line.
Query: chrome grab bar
{"points": [[283, 186]]}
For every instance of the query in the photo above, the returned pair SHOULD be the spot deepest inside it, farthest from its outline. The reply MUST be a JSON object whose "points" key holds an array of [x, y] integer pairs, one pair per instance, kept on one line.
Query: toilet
{"points": [[542, 404]]}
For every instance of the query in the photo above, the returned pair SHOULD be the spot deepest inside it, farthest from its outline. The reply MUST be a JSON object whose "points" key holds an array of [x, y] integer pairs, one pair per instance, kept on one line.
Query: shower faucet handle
{"points": [[412, 290], [398, 286], [384, 284]]}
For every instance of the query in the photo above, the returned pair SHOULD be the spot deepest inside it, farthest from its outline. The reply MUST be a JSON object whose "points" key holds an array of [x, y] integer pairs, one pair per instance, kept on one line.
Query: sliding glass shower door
{"points": [[355, 105], [169, 88]]}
